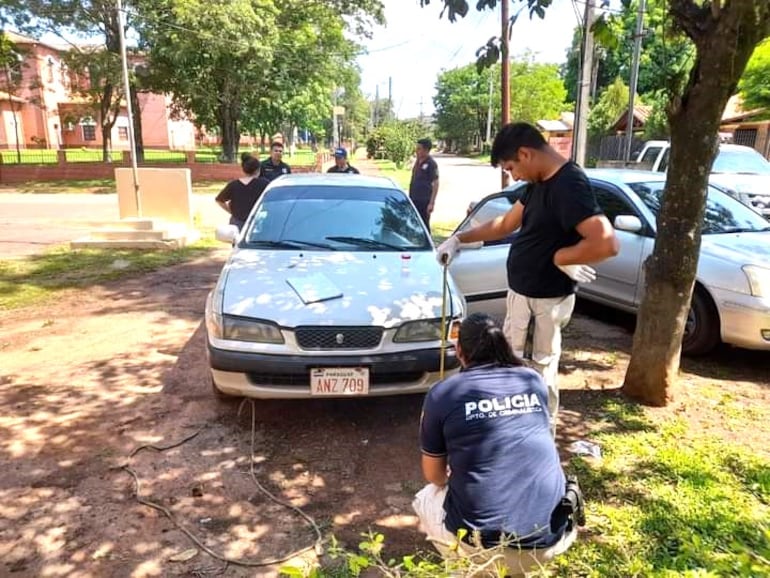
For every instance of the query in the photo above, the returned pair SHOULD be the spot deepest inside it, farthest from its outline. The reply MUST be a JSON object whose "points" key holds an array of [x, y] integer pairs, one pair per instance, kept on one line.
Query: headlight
{"points": [[242, 329], [759, 280], [423, 330]]}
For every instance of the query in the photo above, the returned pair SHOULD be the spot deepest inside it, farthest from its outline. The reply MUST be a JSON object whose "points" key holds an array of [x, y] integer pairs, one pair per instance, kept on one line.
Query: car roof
{"points": [[334, 179], [617, 176]]}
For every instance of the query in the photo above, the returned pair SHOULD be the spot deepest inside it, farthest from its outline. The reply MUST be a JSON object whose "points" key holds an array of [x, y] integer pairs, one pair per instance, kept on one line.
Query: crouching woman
{"points": [[494, 474]]}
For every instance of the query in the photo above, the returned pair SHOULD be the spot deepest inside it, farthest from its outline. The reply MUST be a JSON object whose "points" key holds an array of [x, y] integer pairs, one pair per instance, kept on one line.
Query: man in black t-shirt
{"points": [[562, 229], [341, 164], [424, 184], [274, 167]]}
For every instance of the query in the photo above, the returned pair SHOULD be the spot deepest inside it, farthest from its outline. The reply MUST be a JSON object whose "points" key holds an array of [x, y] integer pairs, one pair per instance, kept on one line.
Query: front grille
{"points": [[318, 338], [303, 379]]}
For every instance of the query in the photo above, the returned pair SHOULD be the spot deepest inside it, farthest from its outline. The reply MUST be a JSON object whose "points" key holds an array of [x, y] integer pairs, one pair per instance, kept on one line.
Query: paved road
{"points": [[461, 181]]}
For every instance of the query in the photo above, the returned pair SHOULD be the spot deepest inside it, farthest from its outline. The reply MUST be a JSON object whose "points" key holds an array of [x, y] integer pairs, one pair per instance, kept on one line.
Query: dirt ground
{"points": [[89, 377]]}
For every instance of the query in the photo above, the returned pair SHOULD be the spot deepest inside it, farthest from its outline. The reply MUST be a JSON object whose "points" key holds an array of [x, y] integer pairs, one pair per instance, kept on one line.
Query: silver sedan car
{"points": [[332, 289], [731, 301]]}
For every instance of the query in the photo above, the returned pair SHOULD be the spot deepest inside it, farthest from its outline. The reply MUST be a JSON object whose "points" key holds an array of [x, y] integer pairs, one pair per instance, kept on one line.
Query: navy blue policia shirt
{"points": [[492, 424]]}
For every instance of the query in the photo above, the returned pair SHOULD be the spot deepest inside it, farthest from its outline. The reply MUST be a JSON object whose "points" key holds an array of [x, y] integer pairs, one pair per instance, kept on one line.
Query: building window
{"points": [[89, 132], [123, 132]]}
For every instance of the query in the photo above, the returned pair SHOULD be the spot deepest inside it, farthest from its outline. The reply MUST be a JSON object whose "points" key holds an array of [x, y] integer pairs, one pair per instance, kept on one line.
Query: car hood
{"points": [[739, 248], [751, 184], [335, 288]]}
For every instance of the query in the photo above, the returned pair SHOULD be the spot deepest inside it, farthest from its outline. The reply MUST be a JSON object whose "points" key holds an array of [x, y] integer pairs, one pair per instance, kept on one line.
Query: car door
{"points": [[480, 270], [618, 278]]}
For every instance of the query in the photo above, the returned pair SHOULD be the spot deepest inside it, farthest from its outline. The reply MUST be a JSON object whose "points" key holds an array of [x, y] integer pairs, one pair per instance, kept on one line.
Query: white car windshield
{"points": [[333, 218], [741, 162], [723, 213]]}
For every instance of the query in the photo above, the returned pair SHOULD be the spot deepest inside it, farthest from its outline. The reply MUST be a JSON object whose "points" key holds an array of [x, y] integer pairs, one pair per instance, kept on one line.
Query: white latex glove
{"points": [[579, 273], [447, 250]]}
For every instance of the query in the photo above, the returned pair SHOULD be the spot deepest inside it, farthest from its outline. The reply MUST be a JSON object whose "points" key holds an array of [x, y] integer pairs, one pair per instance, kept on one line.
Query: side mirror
{"points": [[630, 223], [227, 233]]}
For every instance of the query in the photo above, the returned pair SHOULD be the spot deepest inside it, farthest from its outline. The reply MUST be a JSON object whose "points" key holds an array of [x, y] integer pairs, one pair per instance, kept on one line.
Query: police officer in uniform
{"points": [[274, 167], [341, 164], [424, 184], [492, 467]]}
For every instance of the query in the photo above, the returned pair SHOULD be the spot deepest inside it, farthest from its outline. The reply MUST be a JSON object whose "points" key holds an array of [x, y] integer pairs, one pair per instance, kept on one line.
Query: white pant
{"points": [[550, 315], [429, 505]]}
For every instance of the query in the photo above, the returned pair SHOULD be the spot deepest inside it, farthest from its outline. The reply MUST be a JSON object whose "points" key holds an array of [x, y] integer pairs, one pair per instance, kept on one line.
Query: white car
{"points": [[731, 301], [741, 170], [332, 289]]}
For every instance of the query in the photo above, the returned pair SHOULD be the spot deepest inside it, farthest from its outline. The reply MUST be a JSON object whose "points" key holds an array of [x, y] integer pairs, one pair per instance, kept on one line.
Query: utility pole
{"points": [[390, 96], [580, 127], [638, 34], [377, 106], [505, 75], [335, 129], [129, 111], [488, 140]]}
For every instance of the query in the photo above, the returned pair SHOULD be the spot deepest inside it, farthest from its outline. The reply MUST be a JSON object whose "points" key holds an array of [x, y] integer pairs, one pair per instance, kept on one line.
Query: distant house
{"points": [[745, 127], [46, 111], [558, 133]]}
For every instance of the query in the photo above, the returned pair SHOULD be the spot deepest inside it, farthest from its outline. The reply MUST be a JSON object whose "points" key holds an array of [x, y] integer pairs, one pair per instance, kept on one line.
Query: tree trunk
{"points": [[670, 270], [228, 125], [105, 122], [138, 138]]}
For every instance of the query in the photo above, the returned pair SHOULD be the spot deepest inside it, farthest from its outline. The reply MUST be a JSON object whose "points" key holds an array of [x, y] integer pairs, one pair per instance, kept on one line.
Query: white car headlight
{"points": [[242, 329], [759, 280], [423, 330]]}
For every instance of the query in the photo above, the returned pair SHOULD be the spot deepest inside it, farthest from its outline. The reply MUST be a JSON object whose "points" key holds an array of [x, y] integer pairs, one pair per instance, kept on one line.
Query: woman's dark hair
{"points": [[511, 138], [483, 341], [249, 163]]}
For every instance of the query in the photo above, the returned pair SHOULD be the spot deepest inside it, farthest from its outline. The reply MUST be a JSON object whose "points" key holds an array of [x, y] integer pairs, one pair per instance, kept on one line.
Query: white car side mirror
{"points": [[475, 245], [227, 233], [630, 223]]}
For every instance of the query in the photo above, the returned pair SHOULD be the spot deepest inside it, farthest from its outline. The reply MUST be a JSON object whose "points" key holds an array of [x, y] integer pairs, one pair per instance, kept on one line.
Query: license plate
{"points": [[339, 381]]}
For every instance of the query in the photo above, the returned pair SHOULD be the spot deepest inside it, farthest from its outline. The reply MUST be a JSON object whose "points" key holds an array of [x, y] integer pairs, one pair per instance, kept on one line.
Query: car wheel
{"points": [[701, 331]]}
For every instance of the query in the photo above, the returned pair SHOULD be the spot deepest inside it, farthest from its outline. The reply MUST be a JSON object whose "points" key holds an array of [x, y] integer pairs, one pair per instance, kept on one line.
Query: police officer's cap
{"points": [[341, 153]]}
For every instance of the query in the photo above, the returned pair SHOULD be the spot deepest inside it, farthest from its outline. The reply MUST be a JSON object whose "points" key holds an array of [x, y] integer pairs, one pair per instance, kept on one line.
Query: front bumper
{"points": [[268, 376], [745, 319]]}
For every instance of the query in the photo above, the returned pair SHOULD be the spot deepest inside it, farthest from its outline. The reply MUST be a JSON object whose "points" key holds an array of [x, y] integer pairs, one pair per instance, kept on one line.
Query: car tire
{"points": [[702, 327]]}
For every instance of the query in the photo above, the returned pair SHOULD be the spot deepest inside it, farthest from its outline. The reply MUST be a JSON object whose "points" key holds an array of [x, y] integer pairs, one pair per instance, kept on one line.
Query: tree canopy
{"points": [[252, 65], [755, 84], [463, 98]]}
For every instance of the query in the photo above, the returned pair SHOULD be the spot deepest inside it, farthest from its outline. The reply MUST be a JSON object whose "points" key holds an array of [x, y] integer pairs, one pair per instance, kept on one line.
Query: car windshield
{"points": [[723, 213], [327, 217], [738, 161]]}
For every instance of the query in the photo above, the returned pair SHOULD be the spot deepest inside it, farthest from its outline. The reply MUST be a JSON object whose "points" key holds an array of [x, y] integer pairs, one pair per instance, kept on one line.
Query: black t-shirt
{"points": [[552, 210], [492, 425], [348, 170], [423, 175], [271, 171], [242, 197]]}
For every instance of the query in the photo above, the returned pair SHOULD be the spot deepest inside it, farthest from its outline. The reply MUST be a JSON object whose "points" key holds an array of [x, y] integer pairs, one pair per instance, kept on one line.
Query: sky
{"points": [[415, 45]]}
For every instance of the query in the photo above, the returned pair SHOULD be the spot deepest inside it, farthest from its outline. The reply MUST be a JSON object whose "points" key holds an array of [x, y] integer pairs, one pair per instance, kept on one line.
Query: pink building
{"points": [[46, 112]]}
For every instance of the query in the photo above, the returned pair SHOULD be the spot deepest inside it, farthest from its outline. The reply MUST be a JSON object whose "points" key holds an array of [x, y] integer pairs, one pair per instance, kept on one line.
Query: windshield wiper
{"points": [[291, 244], [363, 242]]}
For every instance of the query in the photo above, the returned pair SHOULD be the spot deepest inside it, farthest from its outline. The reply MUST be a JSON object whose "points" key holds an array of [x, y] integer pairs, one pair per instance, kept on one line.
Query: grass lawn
{"points": [[401, 176], [37, 278], [667, 500]]}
